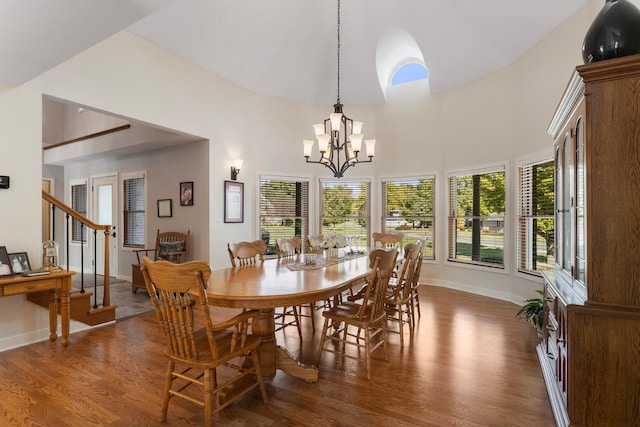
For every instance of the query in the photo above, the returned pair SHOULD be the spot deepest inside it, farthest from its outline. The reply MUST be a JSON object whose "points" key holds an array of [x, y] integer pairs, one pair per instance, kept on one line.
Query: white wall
{"points": [[495, 119], [165, 169]]}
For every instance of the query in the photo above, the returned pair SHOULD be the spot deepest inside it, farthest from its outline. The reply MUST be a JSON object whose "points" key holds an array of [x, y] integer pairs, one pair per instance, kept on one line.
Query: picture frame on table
{"points": [[19, 262], [5, 265], [186, 193], [233, 201], [165, 208]]}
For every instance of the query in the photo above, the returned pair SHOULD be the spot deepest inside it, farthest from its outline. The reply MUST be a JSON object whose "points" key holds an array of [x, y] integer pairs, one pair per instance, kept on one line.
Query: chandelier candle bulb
{"points": [[336, 119], [353, 158], [323, 142], [371, 147], [356, 142], [308, 146]]}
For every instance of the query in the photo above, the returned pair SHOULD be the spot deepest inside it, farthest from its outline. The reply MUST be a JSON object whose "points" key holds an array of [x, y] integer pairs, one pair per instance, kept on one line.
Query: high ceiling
{"points": [[285, 48]]}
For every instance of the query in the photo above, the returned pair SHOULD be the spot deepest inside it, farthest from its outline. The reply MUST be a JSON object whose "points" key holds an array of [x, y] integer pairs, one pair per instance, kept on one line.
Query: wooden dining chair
{"points": [[288, 248], [415, 283], [388, 240], [314, 241], [367, 315], [197, 352], [398, 302], [170, 246], [246, 253]]}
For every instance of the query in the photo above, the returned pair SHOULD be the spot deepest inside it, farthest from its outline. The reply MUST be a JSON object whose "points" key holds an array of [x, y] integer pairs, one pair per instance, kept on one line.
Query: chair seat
{"points": [[349, 310], [223, 343]]}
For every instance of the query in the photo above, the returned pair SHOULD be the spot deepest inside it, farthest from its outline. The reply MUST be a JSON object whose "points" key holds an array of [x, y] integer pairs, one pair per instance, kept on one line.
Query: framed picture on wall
{"points": [[233, 201], [186, 194], [164, 208]]}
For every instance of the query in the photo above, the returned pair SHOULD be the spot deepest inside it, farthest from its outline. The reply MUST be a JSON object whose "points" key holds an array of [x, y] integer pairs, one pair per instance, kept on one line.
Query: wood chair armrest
{"points": [[235, 320], [146, 253]]}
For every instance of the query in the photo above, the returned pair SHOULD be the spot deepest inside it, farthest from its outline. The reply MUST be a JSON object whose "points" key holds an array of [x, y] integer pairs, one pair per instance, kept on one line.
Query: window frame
{"points": [[351, 182], [527, 214], [384, 212], [77, 229], [476, 220], [140, 241], [304, 209]]}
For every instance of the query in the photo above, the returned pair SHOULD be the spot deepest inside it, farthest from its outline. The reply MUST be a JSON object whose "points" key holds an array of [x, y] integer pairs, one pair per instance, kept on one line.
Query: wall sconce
{"points": [[235, 169]]}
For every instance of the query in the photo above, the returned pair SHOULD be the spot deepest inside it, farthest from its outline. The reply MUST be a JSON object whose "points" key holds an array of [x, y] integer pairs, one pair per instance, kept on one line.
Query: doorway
{"points": [[104, 199]]}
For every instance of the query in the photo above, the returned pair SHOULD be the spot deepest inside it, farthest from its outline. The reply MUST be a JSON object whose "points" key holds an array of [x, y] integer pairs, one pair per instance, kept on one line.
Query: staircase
{"points": [[82, 309]]}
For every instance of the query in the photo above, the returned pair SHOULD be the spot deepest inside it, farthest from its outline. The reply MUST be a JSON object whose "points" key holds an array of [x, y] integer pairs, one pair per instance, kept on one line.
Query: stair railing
{"points": [[85, 222]]}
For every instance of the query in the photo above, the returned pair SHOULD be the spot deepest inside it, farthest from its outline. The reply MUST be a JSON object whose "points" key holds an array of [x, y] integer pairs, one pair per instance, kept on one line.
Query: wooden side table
{"points": [[59, 286]]}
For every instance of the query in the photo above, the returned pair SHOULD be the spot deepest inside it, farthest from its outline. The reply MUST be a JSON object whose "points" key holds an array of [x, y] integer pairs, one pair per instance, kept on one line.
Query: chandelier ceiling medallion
{"points": [[337, 151]]}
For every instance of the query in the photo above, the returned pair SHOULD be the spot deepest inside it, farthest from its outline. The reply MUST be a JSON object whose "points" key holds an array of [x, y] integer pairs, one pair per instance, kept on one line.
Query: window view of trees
{"points": [[345, 209], [284, 210], [476, 218], [536, 225], [408, 207]]}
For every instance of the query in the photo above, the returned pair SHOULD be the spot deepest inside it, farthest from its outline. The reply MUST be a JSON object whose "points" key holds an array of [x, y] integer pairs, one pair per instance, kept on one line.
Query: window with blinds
{"points": [[284, 210], [79, 204], [476, 217], [345, 208], [134, 211], [536, 225], [408, 206]]}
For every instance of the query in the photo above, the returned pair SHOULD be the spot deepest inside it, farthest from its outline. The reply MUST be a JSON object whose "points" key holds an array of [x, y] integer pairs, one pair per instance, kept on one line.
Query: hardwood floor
{"points": [[471, 363]]}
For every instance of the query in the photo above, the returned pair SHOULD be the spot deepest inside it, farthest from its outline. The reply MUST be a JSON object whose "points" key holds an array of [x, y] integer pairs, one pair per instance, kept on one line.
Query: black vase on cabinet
{"points": [[615, 32]]}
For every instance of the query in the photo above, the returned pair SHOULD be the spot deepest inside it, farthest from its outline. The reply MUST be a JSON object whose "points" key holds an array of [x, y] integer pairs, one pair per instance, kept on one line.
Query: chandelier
{"points": [[339, 152]]}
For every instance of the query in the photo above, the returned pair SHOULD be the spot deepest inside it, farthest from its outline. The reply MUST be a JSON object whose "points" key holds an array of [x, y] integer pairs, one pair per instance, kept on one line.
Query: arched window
{"points": [[408, 73], [399, 60]]}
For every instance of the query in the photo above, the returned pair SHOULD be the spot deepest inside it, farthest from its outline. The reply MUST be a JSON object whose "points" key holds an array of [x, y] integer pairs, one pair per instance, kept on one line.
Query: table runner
{"points": [[323, 262]]}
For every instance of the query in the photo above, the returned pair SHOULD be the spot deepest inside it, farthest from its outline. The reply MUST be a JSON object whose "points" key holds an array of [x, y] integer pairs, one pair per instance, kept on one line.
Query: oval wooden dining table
{"points": [[265, 286]]}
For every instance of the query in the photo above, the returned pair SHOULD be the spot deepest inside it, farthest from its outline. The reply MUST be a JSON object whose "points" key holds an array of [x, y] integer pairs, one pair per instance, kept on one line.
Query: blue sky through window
{"points": [[409, 73]]}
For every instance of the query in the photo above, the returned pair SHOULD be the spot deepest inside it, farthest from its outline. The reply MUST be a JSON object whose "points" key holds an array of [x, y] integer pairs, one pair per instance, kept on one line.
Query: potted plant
{"points": [[533, 312]]}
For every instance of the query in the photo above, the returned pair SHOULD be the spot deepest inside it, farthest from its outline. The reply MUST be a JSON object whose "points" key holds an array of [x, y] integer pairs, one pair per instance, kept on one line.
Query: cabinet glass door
{"points": [[567, 203], [580, 203]]}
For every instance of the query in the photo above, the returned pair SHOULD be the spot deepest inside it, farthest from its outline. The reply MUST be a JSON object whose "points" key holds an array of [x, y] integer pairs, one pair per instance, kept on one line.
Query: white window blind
{"points": [[408, 206], [284, 210], [476, 217], [134, 212], [79, 204], [536, 246], [345, 208]]}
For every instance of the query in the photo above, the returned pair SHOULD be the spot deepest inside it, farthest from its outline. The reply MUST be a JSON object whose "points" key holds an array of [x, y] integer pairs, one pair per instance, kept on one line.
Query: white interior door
{"points": [[104, 194]]}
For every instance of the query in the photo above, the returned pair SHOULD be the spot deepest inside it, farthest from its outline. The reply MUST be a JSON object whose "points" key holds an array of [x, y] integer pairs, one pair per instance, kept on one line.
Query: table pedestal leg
{"points": [[274, 357]]}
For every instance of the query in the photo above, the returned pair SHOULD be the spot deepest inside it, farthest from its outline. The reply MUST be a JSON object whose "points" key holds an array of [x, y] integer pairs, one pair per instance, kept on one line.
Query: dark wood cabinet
{"points": [[590, 352]]}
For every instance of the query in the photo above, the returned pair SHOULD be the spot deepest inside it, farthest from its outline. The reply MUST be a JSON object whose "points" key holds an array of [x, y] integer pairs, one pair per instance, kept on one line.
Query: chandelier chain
{"points": [[338, 52]]}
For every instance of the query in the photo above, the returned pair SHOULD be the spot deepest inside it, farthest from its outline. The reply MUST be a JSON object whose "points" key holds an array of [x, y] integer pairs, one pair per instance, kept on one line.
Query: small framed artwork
{"points": [[5, 265], [19, 262], [164, 208], [186, 193], [233, 201]]}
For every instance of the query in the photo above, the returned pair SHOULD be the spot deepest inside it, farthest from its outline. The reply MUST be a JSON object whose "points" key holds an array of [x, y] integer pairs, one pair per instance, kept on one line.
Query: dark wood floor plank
{"points": [[471, 363]]}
